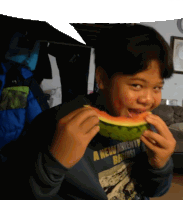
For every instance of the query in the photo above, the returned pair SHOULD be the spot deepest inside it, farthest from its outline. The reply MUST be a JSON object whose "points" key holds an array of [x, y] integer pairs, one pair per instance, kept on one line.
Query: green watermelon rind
{"points": [[122, 133]]}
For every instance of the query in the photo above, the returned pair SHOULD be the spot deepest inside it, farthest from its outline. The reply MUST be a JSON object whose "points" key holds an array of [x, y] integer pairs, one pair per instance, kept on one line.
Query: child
{"points": [[73, 161]]}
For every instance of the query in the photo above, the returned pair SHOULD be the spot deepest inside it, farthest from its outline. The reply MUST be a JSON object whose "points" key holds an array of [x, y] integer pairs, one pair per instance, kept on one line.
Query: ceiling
{"points": [[89, 32]]}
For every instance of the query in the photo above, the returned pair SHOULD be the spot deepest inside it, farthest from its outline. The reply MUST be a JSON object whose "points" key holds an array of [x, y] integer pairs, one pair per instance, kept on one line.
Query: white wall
{"points": [[173, 88], [91, 72]]}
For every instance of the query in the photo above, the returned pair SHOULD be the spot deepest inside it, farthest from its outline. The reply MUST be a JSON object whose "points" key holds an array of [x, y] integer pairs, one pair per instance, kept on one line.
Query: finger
{"points": [[149, 139], [155, 139], [89, 123], [93, 131], [152, 141], [74, 114], [160, 125], [84, 115], [151, 145]]}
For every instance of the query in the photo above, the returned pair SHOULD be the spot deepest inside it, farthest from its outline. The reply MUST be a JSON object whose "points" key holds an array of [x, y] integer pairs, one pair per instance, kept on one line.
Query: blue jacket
{"points": [[21, 100]]}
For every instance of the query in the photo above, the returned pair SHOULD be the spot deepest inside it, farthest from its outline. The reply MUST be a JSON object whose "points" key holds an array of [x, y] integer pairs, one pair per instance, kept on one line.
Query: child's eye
{"points": [[160, 88], [135, 85]]}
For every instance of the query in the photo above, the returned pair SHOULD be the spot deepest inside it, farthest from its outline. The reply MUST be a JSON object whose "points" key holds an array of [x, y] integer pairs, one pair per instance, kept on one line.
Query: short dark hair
{"points": [[128, 49]]}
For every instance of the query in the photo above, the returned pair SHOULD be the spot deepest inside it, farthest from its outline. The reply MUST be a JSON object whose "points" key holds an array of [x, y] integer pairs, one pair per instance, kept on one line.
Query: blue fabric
{"points": [[13, 120], [23, 55], [2, 77]]}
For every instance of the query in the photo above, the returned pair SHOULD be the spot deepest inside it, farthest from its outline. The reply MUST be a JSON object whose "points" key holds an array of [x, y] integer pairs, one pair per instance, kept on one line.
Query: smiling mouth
{"points": [[133, 112]]}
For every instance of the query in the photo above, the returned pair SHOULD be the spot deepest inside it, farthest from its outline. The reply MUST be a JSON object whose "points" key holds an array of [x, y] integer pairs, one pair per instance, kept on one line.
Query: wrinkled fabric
{"points": [[21, 100], [23, 53]]}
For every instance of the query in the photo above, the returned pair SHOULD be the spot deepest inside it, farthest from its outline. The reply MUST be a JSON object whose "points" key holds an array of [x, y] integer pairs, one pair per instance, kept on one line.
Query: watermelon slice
{"points": [[121, 128]]}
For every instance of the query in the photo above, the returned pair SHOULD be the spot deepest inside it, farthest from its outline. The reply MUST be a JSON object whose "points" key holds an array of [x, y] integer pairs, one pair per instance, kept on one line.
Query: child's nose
{"points": [[147, 99]]}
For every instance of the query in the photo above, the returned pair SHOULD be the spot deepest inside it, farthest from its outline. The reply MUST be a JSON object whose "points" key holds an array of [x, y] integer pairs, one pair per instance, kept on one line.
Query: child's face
{"points": [[124, 92]]}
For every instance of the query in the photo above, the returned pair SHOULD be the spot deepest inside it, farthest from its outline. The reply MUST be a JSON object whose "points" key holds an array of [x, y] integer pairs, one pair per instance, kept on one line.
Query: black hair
{"points": [[129, 48]]}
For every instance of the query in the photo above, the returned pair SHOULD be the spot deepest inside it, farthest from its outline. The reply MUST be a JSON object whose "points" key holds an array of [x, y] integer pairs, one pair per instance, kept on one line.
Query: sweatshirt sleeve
{"points": [[47, 177], [152, 182], [47, 173]]}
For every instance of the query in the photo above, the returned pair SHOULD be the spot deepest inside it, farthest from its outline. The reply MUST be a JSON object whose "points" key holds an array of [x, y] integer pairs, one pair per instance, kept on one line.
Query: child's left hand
{"points": [[161, 145]]}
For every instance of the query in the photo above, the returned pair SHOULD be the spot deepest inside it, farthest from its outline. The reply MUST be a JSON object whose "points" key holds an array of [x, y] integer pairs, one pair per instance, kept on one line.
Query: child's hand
{"points": [[73, 134], [161, 145]]}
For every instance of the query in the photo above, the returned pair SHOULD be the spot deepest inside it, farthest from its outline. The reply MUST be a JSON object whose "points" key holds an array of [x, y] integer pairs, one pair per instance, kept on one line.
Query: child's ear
{"points": [[100, 76]]}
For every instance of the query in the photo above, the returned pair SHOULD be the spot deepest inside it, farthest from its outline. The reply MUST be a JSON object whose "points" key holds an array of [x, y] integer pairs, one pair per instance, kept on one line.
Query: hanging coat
{"points": [[21, 100]]}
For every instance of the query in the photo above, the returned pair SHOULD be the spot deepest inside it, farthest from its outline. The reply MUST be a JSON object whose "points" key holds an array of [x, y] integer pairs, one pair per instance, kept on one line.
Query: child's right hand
{"points": [[73, 134]]}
